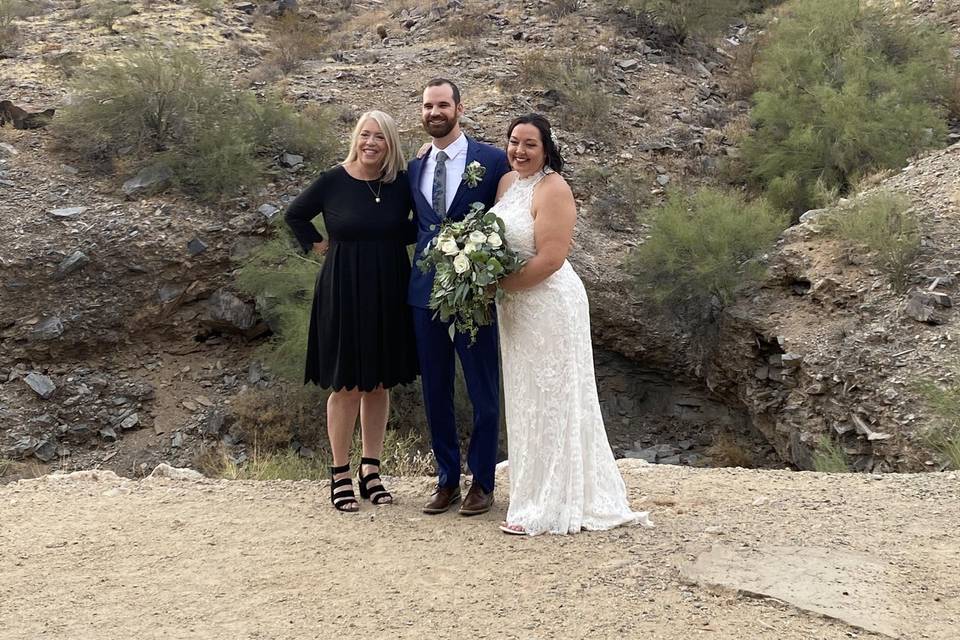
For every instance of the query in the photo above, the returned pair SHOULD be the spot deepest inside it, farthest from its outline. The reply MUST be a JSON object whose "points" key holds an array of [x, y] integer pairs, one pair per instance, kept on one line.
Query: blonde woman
{"points": [[361, 330]]}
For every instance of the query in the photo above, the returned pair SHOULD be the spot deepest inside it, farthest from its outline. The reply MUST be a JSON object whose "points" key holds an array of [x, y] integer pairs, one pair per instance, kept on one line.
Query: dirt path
{"points": [[159, 558]]}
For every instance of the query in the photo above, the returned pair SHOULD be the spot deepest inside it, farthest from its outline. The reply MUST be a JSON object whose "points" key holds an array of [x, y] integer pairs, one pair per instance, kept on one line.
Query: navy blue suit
{"points": [[435, 350]]}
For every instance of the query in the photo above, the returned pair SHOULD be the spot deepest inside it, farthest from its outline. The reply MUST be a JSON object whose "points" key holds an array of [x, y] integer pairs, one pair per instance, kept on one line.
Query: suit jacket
{"points": [[428, 221]]}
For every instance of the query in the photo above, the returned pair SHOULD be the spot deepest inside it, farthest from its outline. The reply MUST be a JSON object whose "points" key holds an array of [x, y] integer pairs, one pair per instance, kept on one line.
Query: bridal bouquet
{"points": [[469, 256]]}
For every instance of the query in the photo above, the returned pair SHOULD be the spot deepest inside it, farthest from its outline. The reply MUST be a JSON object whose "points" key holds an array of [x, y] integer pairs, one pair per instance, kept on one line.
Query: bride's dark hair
{"points": [[552, 157]]}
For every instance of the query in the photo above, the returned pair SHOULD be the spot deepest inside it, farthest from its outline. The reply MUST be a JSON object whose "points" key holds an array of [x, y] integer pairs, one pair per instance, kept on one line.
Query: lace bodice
{"points": [[514, 208]]}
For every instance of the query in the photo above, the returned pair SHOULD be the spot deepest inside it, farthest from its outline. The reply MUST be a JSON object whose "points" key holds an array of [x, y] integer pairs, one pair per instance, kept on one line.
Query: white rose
{"points": [[494, 240], [449, 247], [477, 237], [461, 263], [470, 248]]}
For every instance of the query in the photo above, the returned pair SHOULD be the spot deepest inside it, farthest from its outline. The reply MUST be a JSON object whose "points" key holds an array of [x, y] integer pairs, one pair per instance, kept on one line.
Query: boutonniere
{"points": [[473, 174]]}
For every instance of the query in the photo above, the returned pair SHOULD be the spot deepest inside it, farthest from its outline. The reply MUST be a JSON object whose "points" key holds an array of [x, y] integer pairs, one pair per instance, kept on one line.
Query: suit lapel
{"points": [[472, 149]]}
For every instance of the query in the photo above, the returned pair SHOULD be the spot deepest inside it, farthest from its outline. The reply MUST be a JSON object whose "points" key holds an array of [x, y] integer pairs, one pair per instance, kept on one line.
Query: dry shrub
{"points": [[105, 13], [727, 451], [742, 81], [584, 104], [829, 456], [271, 419], [295, 39], [467, 24], [561, 8]]}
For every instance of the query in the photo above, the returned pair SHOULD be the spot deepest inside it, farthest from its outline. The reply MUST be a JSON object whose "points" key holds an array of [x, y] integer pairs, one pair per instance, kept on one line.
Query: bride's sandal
{"points": [[512, 529], [341, 491], [376, 494]]}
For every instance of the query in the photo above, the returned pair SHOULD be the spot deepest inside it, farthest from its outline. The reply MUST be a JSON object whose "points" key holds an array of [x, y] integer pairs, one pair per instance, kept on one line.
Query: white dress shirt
{"points": [[456, 163]]}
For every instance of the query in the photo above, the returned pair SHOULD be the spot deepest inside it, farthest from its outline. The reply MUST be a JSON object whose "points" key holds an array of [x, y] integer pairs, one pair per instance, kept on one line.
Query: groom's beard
{"points": [[439, 128]]}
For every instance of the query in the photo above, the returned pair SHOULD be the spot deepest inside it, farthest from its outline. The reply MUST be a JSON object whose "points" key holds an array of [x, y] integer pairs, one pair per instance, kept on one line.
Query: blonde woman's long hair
{"points": [[393, 161]]}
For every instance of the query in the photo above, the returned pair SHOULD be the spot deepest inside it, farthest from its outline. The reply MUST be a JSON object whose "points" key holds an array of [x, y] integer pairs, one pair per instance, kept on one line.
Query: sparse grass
{"points": [[883, 223], [727, 451], [275, 465], [829, 457], [943, 436], [15, 470], [945, 440], [403, 455]]}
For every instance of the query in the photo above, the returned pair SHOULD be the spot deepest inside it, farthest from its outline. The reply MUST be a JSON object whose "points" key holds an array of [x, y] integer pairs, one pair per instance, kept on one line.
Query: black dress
{"points": [[361, 328]]}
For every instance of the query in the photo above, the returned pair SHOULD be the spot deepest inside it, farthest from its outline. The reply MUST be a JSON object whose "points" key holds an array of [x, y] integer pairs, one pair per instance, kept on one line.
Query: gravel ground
{"points": [[92, 555]]}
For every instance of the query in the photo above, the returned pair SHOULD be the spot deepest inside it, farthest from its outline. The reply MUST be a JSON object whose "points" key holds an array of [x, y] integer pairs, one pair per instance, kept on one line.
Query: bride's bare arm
{"points": [[555, 213]]}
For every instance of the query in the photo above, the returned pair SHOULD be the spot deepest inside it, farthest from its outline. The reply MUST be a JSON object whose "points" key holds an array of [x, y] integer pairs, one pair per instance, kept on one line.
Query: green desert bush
{"points": [[282, 280], [844, 88], [883, 223], [217, 140], [702, 247], [829, 457]]}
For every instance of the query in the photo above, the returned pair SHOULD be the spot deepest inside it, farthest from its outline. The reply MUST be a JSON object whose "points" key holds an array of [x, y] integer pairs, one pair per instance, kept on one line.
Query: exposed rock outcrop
{"points": [[827, 347]]}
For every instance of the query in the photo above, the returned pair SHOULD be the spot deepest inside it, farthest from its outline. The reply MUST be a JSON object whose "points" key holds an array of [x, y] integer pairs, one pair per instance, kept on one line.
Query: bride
{"points": [[563, 477]]}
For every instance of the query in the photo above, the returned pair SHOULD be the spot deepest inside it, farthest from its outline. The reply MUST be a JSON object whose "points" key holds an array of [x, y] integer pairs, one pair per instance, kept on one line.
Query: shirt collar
{"points": [[454, 149]]}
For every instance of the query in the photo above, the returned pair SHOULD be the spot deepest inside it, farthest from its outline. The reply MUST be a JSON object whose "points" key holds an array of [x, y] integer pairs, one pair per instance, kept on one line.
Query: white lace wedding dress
{"points": [[563, 477]]}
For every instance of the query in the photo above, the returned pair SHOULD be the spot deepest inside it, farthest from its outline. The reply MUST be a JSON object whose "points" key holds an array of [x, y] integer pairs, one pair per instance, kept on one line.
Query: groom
{"points": [[440, 193]]}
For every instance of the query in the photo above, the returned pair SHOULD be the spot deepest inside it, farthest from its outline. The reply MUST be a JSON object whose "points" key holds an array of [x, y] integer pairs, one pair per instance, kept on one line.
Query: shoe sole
{"points": [[433, 512], [511, 532], [476, 512]]}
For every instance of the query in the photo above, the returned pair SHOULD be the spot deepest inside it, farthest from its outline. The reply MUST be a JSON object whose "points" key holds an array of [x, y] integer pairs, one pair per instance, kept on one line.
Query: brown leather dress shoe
{"points": [[442, 499], [477, 501]]}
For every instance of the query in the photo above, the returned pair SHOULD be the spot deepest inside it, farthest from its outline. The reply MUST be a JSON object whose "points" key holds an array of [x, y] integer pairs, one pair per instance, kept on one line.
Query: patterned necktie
{"points": [[440, 185]]}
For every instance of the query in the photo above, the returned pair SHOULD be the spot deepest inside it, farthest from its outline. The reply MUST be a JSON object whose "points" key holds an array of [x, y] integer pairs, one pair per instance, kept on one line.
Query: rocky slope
{"points": [[827, 346], [118, 301]]}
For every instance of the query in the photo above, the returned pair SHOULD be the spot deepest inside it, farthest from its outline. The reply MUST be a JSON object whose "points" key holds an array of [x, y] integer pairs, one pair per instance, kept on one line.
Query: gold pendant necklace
{"points": [[376, 194]]}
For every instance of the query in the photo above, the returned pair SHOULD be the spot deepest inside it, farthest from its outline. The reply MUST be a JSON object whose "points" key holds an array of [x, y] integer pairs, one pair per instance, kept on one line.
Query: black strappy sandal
{"points": [[375, 494], [341, 491]]}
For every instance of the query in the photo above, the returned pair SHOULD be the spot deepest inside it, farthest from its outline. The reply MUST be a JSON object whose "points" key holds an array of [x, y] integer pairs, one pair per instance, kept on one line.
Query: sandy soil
{"points": [[83, 557]]}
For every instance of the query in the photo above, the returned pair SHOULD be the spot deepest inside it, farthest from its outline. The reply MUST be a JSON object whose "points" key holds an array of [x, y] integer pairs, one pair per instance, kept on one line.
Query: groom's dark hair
{"points": [[439, 82], [551, 152]]}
